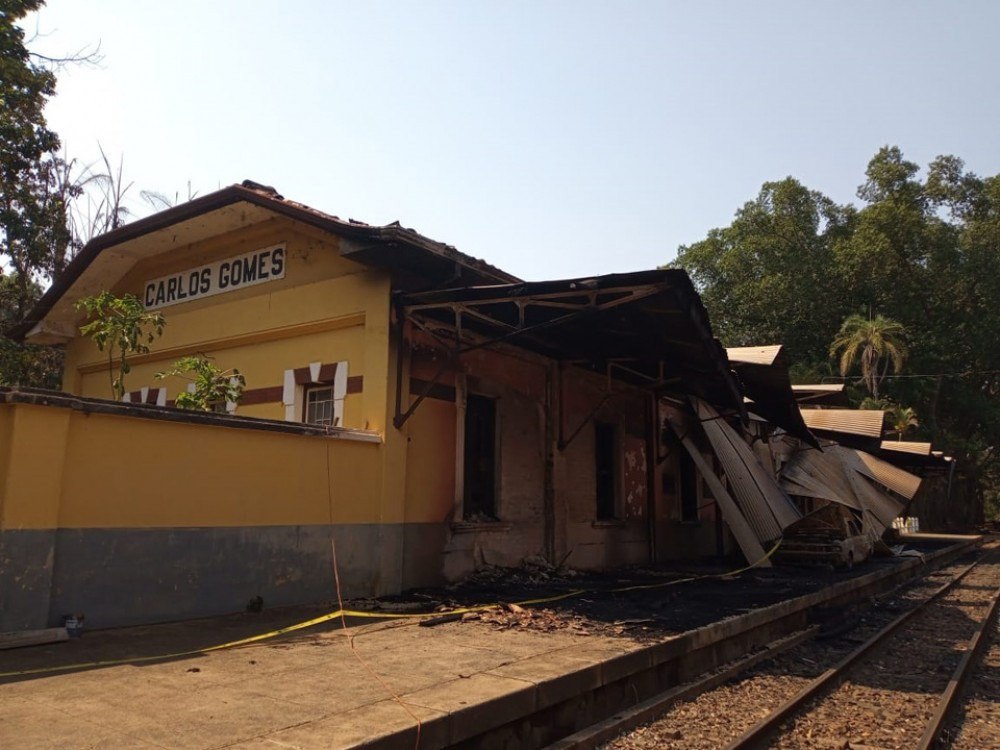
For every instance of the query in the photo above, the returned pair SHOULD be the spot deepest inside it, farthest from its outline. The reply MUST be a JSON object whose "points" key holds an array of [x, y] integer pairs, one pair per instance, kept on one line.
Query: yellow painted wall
{"points": [[31, 439], [66, 468], [326, 309], [430, 483]]}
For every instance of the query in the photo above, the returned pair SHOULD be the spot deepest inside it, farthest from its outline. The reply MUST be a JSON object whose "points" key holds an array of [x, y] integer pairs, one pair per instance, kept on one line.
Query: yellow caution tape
{"points": [[368, 615]]}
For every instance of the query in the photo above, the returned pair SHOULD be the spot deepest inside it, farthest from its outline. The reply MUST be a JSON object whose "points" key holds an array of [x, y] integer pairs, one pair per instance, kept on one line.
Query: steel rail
{"points": [[594, 735], [757, 735], [950, 695]]}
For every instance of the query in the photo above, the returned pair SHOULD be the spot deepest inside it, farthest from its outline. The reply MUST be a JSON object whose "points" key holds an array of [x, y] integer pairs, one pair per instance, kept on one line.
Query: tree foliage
{"points": [[33, 231], [874, 343], [921, 248], [50, 205], [213, 388], [120, 324]]}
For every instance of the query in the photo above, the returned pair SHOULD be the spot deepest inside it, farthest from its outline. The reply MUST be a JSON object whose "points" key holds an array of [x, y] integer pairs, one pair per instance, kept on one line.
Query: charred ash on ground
{"points": [[662, 601]]}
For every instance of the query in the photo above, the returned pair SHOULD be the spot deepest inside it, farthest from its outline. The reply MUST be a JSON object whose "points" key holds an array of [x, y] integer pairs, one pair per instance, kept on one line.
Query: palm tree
{"points": [[876, 343], [903, 418]]}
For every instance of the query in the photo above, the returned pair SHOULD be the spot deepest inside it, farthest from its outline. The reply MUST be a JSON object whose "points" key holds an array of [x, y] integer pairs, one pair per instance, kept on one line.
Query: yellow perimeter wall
{"points": [[132, 519], [66, 468]]}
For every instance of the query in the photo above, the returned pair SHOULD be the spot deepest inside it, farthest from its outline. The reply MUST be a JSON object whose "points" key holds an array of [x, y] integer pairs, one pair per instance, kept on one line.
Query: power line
{"points": [[962, 374]]}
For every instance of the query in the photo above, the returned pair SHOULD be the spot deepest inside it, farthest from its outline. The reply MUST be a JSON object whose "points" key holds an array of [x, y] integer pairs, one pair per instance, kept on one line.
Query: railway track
{"points": [[893, 683]]}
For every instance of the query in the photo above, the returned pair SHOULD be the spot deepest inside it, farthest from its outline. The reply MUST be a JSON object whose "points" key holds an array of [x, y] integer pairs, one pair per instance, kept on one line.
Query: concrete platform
{"points": [[467, 683]]}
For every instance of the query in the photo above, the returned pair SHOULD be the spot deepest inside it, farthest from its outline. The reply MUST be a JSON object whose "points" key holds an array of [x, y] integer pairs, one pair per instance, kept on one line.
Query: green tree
{"points": [[213, 388], [874, 343], [903, 418], [767, 277], [922, 247], [33, 229], [120, 324]]}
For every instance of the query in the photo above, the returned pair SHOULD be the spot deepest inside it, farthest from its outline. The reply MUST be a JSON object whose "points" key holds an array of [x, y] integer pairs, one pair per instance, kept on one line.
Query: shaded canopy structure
{"points": [[649, 328]]}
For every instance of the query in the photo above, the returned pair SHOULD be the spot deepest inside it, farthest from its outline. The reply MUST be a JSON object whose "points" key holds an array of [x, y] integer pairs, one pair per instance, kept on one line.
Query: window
{"points": [[314, 394], [606, 465], [320, 406]]}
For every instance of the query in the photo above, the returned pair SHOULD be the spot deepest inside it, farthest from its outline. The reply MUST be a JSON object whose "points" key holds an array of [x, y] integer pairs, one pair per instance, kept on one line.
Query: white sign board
{"points": [[220, 277]]}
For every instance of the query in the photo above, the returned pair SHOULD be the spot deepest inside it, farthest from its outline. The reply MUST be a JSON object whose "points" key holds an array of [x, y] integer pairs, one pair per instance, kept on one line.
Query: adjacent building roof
{"points": [[861, 428], [913, 455], [821, 394], [905, 446], [754, 355]]}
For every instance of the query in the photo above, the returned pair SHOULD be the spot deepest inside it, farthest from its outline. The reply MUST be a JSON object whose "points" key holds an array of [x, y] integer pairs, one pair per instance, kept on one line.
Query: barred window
{"points": [[319, 405]]}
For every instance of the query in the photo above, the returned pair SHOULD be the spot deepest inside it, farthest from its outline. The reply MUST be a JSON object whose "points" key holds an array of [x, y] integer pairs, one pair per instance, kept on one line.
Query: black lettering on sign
{"points": [[193, 284], [262, 264], [172, 289], [249, 270], [223, 275], [236, 273], [161, 296], [206, 281], [278, 261], [150, 294]]}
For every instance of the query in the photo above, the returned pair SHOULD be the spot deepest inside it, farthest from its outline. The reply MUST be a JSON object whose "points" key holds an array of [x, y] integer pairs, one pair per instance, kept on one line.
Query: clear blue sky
{"points": [[554, 139]]}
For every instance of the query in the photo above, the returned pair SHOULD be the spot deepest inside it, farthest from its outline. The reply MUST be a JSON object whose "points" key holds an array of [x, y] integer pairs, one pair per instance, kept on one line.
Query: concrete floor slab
{"points": [[557, 675], [310, 690], [477, 702], [363, 725]]}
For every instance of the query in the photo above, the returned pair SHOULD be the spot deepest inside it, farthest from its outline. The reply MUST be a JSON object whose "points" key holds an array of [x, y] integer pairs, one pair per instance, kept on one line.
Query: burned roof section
{"points": [[649, 328]]}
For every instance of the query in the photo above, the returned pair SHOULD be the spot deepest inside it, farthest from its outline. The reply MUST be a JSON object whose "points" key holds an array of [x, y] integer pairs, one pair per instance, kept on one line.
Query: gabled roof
{"points": [[97, 266]]}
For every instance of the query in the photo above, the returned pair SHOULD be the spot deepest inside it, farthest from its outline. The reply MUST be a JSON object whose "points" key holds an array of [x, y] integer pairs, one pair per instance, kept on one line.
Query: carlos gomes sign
{"points": [[220, 277]]}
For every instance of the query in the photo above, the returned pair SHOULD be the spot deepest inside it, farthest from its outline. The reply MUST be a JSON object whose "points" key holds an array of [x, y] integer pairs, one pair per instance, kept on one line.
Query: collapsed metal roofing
{"points": [[850, 477], [763, 373]]}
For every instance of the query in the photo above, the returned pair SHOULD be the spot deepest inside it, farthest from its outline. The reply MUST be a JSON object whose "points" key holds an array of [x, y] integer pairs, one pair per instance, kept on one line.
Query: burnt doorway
{"points": [[480, 500], [689, 487], [606, 465]]}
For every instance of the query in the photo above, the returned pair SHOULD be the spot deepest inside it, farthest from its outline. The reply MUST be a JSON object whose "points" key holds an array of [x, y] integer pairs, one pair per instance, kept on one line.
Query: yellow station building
{"points": [[411, 414]]}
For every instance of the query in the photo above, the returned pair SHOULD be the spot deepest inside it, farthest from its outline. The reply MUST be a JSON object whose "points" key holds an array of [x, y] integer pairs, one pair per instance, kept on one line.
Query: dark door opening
{"points": [[605, 462], [689, 488], [479, 502]]}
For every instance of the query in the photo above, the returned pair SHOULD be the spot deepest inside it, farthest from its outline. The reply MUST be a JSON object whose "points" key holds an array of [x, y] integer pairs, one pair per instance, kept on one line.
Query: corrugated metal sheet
{"points": [[731, 514], [903, 446], [879, 508], [842, 475], [754, 355], [822, 475], [901, 482], [866, 422], [765, 505]]}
